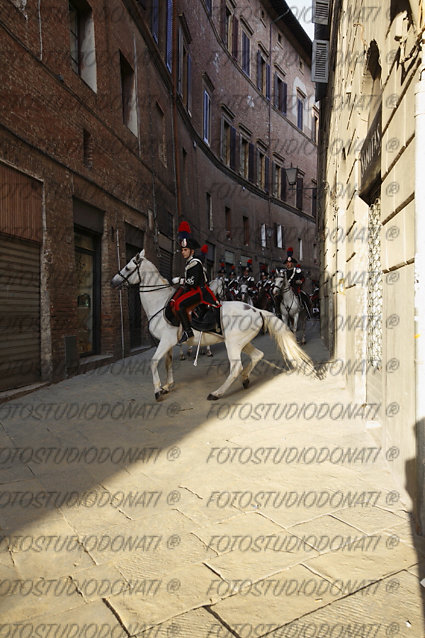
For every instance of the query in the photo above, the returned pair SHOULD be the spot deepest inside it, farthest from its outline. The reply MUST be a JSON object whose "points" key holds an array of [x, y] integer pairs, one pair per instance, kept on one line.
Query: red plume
{"points": [[184, 227], [204, 249], [249, 261], [222, 264]]}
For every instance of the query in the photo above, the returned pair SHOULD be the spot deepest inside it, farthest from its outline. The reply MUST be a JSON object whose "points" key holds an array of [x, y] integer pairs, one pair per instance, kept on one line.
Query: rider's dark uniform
{"points": [[195, 291], [296, 279]]}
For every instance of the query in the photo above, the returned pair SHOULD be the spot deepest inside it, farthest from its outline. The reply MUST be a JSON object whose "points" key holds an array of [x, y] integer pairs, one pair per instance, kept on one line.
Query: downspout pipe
{"points": [[420, 284]]}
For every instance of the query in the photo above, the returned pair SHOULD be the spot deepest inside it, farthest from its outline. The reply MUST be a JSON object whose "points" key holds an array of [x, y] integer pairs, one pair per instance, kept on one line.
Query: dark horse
{"points": [[264, 300]]}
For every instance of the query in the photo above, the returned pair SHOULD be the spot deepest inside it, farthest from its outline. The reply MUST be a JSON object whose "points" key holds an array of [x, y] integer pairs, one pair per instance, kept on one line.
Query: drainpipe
{"points": [[420, 282]]}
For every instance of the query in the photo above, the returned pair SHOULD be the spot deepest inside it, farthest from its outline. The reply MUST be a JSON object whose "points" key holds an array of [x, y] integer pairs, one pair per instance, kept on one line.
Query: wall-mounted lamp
{"points": [[291, 175]]}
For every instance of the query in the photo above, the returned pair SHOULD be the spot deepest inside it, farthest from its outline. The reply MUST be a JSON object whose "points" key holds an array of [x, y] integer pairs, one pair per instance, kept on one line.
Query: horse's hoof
{"points": [[182, 357], [158, 395], [209, 354], [245, 383], [164, 390], [212, 397]]}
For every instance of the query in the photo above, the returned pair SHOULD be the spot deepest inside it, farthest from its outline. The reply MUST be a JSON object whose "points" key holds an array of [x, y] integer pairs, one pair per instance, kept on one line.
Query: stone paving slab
{"points": [[182, 590], [276, 600], [391, 607]]}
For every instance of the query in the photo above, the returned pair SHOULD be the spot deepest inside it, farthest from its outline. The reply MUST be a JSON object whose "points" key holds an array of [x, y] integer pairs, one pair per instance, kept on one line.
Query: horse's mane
{"points": [[154, 269]]}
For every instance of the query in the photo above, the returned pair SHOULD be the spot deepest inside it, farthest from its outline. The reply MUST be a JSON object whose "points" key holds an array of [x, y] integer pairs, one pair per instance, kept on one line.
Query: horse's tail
{"points": [[287, 343]]}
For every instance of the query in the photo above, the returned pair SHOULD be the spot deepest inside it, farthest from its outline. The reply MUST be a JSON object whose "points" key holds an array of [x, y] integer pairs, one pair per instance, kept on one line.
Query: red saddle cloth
{"points": [[171, 308]]}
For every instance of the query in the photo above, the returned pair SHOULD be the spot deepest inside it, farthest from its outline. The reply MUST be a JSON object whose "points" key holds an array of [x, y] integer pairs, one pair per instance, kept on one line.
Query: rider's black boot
{"points": [[187, 330]]}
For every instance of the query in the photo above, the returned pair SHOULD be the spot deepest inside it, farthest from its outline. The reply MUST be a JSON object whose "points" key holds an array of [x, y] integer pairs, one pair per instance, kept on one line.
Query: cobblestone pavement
{"points": [[271, 512]]}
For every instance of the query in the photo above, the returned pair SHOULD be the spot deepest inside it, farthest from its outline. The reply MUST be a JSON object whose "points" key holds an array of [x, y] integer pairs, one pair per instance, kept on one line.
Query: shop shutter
{"points": [[20, 313]]}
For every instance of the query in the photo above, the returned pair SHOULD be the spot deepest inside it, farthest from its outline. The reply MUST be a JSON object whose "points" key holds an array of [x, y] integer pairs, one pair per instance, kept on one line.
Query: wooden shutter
{"points": [[268, 81], [320, 11], [284, 97], [266, 174], [283, 185], [251, 163], [233, 148], [235, 36], [169, 40], [320, 62], [276, 91], [259, 75], [189, 82], [223, 20]]}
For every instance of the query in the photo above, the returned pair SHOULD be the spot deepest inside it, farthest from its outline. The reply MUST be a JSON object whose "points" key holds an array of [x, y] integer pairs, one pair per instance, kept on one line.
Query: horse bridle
{"points": [[148, 287], [286, 289]]}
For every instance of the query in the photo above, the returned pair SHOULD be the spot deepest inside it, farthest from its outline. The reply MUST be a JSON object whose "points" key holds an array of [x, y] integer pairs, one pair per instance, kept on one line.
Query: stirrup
{"points": [[187, 334]]}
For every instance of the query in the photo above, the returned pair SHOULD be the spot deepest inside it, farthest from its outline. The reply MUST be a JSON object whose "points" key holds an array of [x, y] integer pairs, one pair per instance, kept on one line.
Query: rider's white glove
{"points": [[177, 280]]}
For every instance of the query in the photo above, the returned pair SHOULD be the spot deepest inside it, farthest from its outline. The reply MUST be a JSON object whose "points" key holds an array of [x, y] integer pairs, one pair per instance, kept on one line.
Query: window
{"points": [[87, 149], [280, 94], [277, 180], [245, 222], [82, 45], [263, 75], [261, 169], [169, 36], [206, 134], [155, 20], [210, 224], [184, 74], [244, 157], [87, 268], [246, 53], [299, 193], [279, 235], [128, 92], [263, 236], [300, 110], [228, 222], [230, 29], [300, 250]]}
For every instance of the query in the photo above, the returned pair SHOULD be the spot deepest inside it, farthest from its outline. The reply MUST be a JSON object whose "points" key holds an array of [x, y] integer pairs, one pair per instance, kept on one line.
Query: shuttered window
{"points": [[320, 11], [320, 66]]}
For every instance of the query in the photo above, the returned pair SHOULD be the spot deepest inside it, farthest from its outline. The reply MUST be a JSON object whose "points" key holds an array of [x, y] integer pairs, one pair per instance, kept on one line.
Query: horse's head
{"points": [[131, 273], [279, 283]]}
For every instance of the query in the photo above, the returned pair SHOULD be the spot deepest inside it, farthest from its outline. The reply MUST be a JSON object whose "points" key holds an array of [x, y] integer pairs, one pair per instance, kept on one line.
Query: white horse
{"points": [[291, 307], [218, 288], [240, 324]]}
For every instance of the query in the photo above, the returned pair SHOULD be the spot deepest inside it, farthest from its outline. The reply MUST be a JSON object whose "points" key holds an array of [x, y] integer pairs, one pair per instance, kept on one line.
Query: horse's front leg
{"points": [[169, 369], [295, 323], [162, 349]]}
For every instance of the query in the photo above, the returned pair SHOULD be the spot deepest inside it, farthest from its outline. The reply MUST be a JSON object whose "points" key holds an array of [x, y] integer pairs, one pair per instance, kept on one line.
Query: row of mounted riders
{"points": [[260, 294]]}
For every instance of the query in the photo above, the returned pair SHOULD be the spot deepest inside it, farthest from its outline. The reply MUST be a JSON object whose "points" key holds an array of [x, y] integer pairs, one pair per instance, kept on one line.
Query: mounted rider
{"points": [[246, 280], [264, 282], [296, 279], [232, 285], [195, 283]]}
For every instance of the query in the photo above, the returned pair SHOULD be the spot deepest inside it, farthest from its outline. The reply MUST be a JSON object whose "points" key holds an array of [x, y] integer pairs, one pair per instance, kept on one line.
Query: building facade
{"points": [[368, 67], [121, 118]]}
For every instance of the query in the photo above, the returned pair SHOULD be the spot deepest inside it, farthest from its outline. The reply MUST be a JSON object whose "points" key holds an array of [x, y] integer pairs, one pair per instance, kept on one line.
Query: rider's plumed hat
{"points": [[289, 256], [185, 238]]}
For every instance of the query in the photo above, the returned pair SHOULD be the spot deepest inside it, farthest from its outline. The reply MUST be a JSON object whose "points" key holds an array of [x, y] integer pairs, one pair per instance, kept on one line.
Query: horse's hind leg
{"points": [[256, 356], [234, 354]]}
